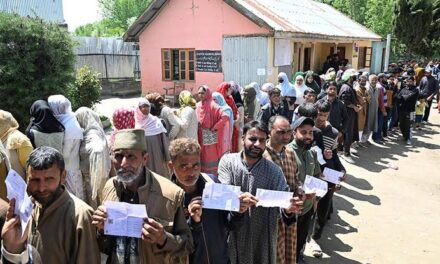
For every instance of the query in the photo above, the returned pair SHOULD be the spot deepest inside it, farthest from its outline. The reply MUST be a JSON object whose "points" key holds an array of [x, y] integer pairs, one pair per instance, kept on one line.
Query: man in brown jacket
{"points": [[61, 227], [166, 237]]}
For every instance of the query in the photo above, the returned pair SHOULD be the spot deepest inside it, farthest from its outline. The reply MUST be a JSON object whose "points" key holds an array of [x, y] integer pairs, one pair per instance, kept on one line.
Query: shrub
{"points": [[36, 60], [86, 91]]}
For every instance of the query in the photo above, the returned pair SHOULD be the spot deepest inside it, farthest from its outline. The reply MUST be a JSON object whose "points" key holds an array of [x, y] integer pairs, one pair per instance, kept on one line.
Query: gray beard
{"points": [[128, 177]]}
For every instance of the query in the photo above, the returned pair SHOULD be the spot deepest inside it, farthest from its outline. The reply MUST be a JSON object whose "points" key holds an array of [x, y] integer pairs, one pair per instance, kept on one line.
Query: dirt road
{"points": [[383, 215]]}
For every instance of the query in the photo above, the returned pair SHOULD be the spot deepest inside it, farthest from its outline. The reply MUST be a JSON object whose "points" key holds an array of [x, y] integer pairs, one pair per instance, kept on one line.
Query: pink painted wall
{"points": [[178, 25]]}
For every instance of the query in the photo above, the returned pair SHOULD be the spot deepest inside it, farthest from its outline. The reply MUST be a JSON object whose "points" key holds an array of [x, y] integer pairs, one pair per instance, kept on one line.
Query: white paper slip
{"points": [[16, 189], [221, 197], [124, 219], [332, 176], [315, 185], [320, 157], [269, 198]]}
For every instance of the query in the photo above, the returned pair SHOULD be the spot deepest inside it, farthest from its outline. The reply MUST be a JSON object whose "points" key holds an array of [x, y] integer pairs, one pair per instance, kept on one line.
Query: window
{"points": [[178, 64], [364, 57]]}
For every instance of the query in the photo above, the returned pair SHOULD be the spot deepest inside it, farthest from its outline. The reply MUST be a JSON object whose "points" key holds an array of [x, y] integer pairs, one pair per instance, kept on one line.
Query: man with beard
{"points": [[308, 164], [428, 89], [165, 235], [209, 227], [61, 225], [348, 97], [256, 240], [280, 134]]}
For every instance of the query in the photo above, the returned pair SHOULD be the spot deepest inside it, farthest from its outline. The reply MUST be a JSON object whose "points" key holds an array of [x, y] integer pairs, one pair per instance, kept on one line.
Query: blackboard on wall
{"points": [[209, 60]]}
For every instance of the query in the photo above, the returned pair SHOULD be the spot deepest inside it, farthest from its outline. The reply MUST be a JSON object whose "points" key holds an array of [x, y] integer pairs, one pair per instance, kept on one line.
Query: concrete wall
{"points": [[198, 24]]}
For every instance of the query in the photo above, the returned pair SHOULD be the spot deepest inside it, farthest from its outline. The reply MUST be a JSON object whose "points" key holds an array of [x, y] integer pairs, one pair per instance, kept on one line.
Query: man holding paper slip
{"points": [[209, 227], [280, 134], [256, 240], [308, 164], [165, 236]]}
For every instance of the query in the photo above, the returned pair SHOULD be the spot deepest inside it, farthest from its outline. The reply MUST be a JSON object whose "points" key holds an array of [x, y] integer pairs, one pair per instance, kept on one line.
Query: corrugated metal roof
{"points": [[289, 18], [48, 10], [306, 17]]}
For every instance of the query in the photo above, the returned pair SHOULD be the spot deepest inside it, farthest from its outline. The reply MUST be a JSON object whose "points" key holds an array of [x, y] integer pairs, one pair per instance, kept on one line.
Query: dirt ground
{"points": [[381, 215]]}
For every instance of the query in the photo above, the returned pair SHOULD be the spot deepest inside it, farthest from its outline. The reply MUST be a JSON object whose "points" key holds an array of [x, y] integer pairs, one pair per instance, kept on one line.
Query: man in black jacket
{"points": [[407, 99], [277, 106], [428, 89], [210, 229]]}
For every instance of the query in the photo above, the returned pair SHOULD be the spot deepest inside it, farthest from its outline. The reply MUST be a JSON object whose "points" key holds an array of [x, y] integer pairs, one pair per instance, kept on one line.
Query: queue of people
{"points": [[272, 138]]}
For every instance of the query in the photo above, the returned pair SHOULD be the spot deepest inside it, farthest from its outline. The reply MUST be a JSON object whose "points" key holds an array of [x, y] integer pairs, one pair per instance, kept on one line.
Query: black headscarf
{"points": [[42, 119]]}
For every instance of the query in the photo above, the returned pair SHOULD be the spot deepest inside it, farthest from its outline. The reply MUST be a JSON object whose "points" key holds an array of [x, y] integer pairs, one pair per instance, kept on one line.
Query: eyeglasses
{"points": [[201, 93]]}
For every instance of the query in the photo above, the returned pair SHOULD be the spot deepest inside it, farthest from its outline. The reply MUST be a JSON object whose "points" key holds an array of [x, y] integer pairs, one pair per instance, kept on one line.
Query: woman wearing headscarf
{"points": [[300, 87], [17, 145], [237, 92], [211, 120], [267, 87], [62, 110], [252, 106], [262, 97], [165, 113], [288, 92], [123, 118], [44, 129], [155, 135], [94, 153], [187, 117], [226, 133], [225, 89], [311, 82]]}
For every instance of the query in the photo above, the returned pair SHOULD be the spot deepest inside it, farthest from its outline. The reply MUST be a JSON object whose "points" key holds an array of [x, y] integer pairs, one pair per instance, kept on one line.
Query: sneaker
{"points": [[408, 142], [348, 158], [354, 151]]}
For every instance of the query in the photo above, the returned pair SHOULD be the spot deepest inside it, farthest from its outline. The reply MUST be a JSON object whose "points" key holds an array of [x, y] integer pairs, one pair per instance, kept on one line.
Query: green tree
{"points": [[86, 91], [37, 60], [413, 23], [118, 16]]}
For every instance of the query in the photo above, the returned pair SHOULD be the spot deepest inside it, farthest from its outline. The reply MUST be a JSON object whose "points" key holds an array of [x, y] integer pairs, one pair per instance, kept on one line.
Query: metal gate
{"points": [[245, 59]]}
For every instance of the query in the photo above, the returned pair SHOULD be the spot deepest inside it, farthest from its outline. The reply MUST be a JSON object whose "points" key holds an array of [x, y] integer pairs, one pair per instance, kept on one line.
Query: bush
{"points": [[86, 91], [36, 60]]}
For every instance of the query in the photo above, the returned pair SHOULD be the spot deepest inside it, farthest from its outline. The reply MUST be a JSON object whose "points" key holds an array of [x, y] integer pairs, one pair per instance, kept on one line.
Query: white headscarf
{"points": [[263, 97], [149, 123], [299, 90], [62, 110], [286, 87]]}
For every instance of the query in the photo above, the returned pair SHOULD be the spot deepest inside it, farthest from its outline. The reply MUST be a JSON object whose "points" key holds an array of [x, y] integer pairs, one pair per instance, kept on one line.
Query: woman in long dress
{"points": [[62, 110], [225, 135], [252, 106], [226, 90], [17, 145], [94, 153], [155, 135], [187, 116], [211, 119]]}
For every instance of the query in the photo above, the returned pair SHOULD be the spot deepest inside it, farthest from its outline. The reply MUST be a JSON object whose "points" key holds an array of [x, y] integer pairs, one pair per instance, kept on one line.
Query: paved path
{"points": [[383, 215]]}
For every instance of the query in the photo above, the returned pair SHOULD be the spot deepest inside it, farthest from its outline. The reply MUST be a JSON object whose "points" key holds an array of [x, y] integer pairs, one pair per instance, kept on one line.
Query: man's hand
{"points": [[328, 154], [153, 232], [195, 209], [310, 196], [246, 200], [384, 113], [13, 242], [99, 217], [344, 177], [296, 206]]}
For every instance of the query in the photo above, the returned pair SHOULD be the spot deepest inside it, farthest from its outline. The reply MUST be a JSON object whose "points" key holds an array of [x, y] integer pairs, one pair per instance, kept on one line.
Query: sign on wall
{"points": [[209, 60]]}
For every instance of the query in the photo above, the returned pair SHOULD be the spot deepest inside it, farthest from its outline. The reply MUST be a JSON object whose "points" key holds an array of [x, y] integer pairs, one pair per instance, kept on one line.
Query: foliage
{"points": [[412, 24], [37, 60], [118, 16], [86, 91]]}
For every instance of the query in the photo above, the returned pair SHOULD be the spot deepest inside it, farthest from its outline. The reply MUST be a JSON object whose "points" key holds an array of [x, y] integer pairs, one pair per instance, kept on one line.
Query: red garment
{"points": [[380, 98], [223, 89], [210, 116], [123, 118]]}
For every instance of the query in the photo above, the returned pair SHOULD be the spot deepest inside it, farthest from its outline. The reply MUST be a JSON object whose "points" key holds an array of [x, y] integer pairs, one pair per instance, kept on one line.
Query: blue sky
{"points": [[80, 12]]}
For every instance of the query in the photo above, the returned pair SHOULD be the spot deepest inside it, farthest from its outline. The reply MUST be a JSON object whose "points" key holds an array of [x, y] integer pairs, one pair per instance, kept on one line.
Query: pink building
{"points": [[199, 42]]}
